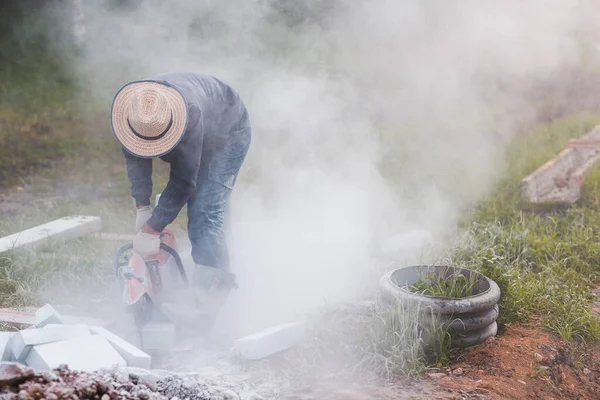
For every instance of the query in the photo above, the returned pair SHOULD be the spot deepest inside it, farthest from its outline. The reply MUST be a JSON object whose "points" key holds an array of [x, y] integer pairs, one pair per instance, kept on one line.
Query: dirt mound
{"points": [[524, 363]]}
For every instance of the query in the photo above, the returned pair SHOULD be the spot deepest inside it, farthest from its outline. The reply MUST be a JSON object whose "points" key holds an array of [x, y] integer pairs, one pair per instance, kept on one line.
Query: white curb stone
{"points": [[5, 350], [131, 354], [61, 229], [47, 315], [270, 341], [85, 353], [22, 342]]}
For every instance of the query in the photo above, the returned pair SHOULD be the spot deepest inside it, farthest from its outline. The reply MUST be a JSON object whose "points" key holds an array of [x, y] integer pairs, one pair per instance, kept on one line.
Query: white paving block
{"points": [[64, 229], [78, 320], [5, 350], [47, 315], [22, 341], [270, 341], [84, 353], [131, 354], [158, 336]]}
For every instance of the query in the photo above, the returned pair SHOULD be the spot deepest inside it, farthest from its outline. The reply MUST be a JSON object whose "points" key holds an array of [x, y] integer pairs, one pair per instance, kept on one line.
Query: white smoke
{"points": [[369, 118]]}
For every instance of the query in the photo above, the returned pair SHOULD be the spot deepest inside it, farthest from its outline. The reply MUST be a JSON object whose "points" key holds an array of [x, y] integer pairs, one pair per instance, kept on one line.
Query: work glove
{"points": [[142, 216], [146, 244]]}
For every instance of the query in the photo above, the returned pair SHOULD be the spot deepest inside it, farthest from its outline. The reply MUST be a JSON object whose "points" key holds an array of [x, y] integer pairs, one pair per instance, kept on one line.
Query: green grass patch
{"points": [[455, 285], [545, 264]]}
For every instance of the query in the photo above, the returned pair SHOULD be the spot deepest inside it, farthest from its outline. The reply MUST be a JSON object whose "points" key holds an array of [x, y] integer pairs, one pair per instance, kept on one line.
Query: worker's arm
{"points": [[185, 165], [139, 172]]}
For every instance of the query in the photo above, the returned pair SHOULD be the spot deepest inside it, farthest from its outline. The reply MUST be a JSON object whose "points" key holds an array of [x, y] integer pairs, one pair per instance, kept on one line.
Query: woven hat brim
{"points": [[143, 147]]}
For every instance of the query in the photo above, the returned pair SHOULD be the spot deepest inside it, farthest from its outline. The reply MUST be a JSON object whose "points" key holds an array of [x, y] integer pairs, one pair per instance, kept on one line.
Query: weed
{"points": [[400, 341], [454, 285]]}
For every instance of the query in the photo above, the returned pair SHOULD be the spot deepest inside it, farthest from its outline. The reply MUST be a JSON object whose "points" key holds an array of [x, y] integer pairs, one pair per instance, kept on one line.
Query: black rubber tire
{"points": [[474, 338], [471, 320], [482, 301], [458, 323]]}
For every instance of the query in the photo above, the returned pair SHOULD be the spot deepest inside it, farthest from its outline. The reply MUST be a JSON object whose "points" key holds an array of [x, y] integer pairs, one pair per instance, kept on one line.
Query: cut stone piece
{"points": [[22, 342], [47, 315], [270, 341], [84, 353], [158, 336], [131, 354], [63, 229], [5, 349]]}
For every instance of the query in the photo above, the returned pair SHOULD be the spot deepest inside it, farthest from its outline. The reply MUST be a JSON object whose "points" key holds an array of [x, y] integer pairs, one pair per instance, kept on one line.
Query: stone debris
{"points": [[20, 382], [13, 373], [64, 383], [181, 388]]}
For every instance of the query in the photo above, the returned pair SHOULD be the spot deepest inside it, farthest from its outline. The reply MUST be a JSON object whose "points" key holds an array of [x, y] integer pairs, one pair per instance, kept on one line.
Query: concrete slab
{"points": [[5, 349], [61, 229], [559, 180], [131, 354], [84, 353], [47, 315], [22, 342], [158, 336], [270, 341]]}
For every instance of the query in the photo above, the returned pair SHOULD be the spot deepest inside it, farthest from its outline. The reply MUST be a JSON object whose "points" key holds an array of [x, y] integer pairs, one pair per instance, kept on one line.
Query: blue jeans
{"points": [[222, 158]]}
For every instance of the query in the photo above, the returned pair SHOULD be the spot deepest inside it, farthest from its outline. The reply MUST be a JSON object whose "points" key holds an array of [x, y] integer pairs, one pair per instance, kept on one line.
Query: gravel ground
{"points": [[20, 382]]}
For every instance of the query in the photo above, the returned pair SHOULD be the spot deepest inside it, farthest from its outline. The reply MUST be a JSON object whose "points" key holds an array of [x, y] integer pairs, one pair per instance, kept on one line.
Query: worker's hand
{"points": [[146, 242], [143, 214]]}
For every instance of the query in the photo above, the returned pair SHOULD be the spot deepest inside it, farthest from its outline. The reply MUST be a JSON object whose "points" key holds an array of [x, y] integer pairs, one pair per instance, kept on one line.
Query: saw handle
{"points": [[178, 261], [164, 247]]}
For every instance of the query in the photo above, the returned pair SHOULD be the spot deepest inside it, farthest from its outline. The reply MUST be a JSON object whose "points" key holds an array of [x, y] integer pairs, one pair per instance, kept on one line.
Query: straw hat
{"points": [[148, 118]]}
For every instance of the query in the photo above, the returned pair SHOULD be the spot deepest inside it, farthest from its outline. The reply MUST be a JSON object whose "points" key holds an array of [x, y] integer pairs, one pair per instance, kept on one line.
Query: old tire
{"points": [[471, 320]]}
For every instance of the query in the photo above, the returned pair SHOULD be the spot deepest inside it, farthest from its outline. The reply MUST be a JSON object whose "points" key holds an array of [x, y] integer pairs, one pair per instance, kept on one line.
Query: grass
{"points": [[455, 285], [545, 264]]}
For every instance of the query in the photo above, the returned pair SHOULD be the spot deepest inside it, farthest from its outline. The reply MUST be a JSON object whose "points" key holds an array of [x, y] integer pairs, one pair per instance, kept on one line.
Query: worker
{"points": [[200, 126]]}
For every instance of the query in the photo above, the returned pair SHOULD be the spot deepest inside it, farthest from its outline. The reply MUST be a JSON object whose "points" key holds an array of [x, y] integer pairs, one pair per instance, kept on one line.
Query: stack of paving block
{"points": [[57, 340]]}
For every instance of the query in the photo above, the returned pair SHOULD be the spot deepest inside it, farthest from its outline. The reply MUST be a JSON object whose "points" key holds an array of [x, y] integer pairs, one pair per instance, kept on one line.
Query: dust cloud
{"points": [[370, 118]]}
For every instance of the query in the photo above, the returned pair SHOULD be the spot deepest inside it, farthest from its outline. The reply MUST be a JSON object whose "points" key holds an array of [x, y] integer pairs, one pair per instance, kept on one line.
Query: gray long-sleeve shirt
{"points": [[214, 108]]}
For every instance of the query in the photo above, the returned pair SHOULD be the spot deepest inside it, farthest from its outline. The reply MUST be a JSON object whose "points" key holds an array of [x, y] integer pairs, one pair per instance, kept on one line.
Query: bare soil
{"points": [[524, 363]]}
